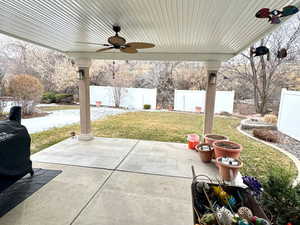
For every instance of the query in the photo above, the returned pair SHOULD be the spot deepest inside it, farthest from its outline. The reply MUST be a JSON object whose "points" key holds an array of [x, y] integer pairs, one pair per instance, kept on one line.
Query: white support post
{"points": [[84, 99], [210, 98]]}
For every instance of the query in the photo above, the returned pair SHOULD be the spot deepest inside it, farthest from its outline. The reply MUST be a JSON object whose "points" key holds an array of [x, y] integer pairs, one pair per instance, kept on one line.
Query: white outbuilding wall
{"points": [[188, 100], [133, 98], [289, 113]]}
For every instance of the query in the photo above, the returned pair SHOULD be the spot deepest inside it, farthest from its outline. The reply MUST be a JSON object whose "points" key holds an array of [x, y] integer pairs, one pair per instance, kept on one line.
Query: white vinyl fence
{"points": [[132, 98], [188, 100], [289, 113]]}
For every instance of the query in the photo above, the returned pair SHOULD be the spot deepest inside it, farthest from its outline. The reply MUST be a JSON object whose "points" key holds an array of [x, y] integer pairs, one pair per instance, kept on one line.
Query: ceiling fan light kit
{"points": [[118, 42]]}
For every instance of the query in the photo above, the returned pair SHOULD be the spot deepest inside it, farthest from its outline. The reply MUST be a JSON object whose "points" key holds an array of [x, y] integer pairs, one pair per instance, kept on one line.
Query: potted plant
{"points": [[227, 149], [205, 152], [98, 103], [228, 167], [211, 138], [198, 109]]}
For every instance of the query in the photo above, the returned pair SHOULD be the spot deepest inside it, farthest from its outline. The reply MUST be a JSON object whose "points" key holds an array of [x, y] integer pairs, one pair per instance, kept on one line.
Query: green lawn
{"points": [[171, 126]]}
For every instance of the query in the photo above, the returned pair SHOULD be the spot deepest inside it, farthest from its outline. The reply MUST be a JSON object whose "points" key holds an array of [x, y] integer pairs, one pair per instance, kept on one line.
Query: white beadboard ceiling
{"points": [[181, 29]]}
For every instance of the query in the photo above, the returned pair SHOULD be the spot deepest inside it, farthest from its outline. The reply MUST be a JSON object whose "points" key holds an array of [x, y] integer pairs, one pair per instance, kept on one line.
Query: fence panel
{"points": [[188, 100], [289, 111], [133, 98]]}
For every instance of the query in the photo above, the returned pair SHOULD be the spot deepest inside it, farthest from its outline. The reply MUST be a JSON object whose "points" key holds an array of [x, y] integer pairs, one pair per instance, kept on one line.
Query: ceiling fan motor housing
{"points": [[116, 41]]}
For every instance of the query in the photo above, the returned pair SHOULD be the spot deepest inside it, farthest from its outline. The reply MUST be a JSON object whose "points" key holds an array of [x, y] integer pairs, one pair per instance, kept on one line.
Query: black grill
{"points": [[14, 149]]}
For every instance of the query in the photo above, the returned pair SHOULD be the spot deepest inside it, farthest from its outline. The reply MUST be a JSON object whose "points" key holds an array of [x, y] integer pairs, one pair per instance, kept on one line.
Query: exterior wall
{"points": [[289, 111], [187, 100], [132, 98]]}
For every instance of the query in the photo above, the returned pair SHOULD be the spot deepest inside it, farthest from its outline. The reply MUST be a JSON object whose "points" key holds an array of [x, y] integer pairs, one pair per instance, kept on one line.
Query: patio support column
{"points": [[84, 99], [212, 70]]}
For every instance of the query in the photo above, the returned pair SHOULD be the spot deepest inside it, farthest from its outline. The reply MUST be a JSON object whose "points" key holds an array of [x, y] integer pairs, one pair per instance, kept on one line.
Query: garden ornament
{"points": [[245, 213], [224, 216], [282, 53], [208, 219], [260, 51], [259, 221], [254, 185], [263, 13], [243, 222], [289, 11], [202, 185], [275, 20], [274, 15]]}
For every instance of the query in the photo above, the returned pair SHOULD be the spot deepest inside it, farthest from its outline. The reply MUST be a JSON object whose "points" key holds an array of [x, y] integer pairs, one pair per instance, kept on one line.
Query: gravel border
{"points": [[288, 154]]}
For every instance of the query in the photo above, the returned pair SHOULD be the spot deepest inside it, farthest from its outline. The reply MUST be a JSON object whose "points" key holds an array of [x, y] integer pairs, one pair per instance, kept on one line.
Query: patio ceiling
{"points": [[182, 30]]}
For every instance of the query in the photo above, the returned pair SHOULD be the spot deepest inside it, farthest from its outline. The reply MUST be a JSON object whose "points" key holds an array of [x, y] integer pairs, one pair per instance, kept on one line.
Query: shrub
{"points": [[27, 90], [266, 135], [147, 106], [48, 97], [51, 97], [280, 198], [64, 98], [2, 107], [224, 113], [270, 118]]}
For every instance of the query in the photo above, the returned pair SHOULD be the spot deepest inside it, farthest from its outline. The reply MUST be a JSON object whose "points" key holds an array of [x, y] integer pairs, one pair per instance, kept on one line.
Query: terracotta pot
{"points": [[206, 156], [211, 138], [98, 103], [198, 109], [228, 172], [227, 149]]}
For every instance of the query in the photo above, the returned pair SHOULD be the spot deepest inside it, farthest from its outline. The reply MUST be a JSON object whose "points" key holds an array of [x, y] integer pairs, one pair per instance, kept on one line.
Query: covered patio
{"points": [[121, 181]]}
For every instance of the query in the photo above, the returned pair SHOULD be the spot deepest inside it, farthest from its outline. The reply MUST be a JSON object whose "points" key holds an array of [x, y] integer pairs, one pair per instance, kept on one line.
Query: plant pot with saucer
{"points": [[228, 167], [205, 152]]}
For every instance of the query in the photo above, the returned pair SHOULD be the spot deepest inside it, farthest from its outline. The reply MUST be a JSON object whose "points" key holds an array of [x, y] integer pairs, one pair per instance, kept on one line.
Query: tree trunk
{"points": [[254, 81], [264, 92]]}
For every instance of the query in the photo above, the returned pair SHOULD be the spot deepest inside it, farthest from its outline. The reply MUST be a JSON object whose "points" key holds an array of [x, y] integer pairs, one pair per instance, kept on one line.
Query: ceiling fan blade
{"points": [[128, 50], [91, 43], [104, 49], [138, 45]]}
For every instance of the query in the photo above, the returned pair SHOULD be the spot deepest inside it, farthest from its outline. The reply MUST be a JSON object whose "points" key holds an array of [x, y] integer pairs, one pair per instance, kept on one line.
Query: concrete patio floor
{"points": [[111, 182]]}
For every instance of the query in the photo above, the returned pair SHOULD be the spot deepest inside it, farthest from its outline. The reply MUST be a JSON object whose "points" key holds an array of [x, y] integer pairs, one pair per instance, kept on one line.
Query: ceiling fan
{"points": [[118, 42]]}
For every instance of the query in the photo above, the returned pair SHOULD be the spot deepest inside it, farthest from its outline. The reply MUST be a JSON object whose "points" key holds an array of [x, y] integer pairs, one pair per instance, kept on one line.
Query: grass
{"points": [[173, 127], [58, 107]]}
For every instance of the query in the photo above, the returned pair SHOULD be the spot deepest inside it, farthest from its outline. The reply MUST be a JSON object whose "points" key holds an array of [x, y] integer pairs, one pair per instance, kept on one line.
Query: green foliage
{"points": [[62, 98], [48, 97], [51, 97], [147, 106], [280, 198]]}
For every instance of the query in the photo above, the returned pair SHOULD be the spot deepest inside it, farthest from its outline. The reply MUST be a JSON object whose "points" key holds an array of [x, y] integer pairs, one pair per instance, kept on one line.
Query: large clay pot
{"points": [[205, 155], [228, 172], [211, 138], [227, 149]]}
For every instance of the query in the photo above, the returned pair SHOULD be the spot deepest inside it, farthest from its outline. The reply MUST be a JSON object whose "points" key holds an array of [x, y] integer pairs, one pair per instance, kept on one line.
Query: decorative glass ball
{"points": [[245, 213], [243, 222], [225, 216]]}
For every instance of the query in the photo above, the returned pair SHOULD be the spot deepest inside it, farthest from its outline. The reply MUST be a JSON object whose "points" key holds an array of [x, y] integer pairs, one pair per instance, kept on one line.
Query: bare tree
{"points": [[190, 76], [266, 76], [166, 84]]}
